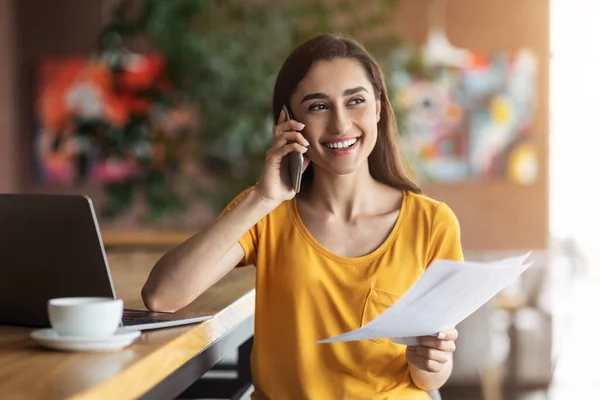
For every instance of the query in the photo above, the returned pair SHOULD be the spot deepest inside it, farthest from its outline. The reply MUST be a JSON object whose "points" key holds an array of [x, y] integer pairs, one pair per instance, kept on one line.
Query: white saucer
{"points": [[50, 339]]}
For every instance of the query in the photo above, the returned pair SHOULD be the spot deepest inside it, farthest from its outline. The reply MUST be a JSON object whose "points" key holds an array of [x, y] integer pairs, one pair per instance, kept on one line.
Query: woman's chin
{"points": [[343, 170]]}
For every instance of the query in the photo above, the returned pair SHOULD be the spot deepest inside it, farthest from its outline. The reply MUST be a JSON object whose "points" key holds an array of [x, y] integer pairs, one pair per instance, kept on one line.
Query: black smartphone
{"points": [[295, 161]]}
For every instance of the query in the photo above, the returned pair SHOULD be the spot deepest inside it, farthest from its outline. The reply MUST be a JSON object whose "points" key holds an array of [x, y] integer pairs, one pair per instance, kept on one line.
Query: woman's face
{"points": [[337, 103]]}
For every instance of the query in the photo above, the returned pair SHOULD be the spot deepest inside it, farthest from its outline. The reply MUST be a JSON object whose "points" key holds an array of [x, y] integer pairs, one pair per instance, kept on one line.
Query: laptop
{"points": [[50, 246]]}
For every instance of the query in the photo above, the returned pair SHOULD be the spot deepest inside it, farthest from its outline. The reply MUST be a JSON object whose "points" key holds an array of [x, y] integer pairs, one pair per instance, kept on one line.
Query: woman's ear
{"points": [[378, 110]]}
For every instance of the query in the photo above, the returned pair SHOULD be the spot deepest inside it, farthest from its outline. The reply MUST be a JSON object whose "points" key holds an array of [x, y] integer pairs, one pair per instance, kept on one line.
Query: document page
{"points": [[446, 293]]}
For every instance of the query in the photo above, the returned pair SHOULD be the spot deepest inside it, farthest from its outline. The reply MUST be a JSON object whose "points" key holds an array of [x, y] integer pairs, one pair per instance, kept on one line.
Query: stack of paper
{"points": [[447, 293]]}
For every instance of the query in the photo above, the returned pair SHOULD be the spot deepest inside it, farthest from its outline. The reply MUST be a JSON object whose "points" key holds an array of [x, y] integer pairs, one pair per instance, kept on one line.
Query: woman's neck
{"points": [[344, 196]]}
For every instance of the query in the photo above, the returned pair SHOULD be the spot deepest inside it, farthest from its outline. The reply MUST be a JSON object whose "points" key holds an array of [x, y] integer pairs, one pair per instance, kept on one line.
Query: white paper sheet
{"points": [[446, 293]]}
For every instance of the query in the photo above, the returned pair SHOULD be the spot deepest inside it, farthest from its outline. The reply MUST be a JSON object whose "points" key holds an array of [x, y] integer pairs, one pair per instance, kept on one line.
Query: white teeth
{"points": [[341, 145]]}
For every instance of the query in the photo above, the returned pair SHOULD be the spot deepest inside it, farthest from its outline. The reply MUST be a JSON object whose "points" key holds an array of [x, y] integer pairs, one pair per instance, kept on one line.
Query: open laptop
{"points": [[50, 246]]}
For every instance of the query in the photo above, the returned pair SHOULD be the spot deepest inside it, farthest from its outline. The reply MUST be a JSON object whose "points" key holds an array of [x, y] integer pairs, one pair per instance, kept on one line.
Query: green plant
{"points": [[223, 57]]}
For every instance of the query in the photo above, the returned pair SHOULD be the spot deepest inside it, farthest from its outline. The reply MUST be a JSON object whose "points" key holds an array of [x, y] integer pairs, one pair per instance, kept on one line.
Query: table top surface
{"points": [[30, 371], [144, 238]]}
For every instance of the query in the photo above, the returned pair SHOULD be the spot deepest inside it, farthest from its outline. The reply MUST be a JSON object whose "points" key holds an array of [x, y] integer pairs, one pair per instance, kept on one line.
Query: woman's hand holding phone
{"points": [[274, 184]]}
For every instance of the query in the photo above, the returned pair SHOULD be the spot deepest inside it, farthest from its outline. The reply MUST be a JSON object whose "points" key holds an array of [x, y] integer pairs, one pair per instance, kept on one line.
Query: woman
{"points": [[332, 258]]}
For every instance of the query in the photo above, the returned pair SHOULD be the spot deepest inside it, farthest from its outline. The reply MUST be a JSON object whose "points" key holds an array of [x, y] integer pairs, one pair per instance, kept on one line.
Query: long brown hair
{"points": [[385, 164]]}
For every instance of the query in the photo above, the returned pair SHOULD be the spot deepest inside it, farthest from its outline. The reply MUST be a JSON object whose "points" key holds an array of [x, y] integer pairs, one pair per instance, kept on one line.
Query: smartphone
{"points": [[295, 161]]}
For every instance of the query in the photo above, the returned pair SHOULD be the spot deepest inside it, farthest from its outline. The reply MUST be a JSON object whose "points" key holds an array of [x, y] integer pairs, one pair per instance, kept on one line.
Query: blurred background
{"points": [[160, 111]]}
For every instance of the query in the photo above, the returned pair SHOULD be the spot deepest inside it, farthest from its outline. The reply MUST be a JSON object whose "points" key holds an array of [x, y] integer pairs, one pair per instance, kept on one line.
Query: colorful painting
{"points": [[114, 120], [104, 125], [470, 123]]}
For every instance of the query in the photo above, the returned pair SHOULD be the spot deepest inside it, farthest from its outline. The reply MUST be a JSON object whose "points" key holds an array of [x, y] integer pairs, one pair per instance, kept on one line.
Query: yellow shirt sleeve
{"points": [[250, 239], [445, 240]]}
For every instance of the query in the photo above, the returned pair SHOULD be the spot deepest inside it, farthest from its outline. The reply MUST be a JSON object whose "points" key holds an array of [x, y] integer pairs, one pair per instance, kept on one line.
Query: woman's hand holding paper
{"points": [[432, 352]]}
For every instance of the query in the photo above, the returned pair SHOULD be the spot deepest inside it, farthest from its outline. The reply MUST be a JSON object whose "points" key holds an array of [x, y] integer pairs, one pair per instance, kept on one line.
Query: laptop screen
{"points": [[50, 247]]}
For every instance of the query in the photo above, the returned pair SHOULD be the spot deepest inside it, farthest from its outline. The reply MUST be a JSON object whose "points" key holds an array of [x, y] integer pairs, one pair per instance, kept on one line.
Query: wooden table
{"points": [[159, 365], [147, 239]]}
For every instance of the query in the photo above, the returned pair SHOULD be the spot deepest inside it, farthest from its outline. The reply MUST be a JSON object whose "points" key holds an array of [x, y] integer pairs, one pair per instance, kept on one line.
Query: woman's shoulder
{"points": [[422, 205], [422, 200]]}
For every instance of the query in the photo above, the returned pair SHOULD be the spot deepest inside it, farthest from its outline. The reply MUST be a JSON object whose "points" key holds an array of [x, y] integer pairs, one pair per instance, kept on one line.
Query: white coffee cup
{"points": [[85, 316]]}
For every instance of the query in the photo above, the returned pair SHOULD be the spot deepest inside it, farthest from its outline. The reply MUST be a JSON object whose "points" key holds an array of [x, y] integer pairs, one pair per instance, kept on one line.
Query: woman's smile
{"points": [[341, 146]]}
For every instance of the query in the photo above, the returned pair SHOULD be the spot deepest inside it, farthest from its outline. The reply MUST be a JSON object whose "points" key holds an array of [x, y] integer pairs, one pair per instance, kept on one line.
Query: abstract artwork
{"points": [[95, 123], [471, 122]]}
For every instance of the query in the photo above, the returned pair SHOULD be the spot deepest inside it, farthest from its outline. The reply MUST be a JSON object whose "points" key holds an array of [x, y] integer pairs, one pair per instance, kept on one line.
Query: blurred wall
{"points": [[496, 215], [493, 215], [8, 119]]}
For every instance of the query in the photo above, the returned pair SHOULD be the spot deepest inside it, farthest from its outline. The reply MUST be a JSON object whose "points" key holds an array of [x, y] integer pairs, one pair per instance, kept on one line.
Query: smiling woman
{"points": [[364, 232], [319, 61], [339, 121]]}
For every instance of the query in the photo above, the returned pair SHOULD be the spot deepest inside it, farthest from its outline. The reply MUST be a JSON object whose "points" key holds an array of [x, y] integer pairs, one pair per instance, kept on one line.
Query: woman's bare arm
{"points": [[189, 269], [186, 271]]}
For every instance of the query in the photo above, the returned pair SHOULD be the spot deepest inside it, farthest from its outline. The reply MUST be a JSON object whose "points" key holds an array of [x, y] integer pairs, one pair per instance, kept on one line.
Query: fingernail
{"points": [[305, 142], [281, 113], [301, 125], [441, 335]]}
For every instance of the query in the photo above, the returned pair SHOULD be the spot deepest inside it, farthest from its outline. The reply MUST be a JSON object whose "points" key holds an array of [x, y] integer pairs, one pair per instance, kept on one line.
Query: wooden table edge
{"points": [[140, 377]]}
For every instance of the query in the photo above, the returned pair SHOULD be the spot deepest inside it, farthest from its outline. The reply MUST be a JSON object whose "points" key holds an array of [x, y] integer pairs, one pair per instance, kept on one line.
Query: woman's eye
{"points": [[356, 101], [317, 107]]}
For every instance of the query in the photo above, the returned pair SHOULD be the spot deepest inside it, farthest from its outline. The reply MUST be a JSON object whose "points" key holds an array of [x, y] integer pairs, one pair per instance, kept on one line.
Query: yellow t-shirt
{"points": [[305, 293]]}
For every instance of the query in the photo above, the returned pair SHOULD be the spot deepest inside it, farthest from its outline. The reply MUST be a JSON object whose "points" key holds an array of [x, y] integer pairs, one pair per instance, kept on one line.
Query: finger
{"points": [[428, 353], [450, 334], [421, 362], [434, 343], [289, 136], [282, 117], [290, 125], [279, 153]]}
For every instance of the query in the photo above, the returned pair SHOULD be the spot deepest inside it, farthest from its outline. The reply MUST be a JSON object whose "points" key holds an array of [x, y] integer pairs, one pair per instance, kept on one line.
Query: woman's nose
{"points": [[340, 121]]}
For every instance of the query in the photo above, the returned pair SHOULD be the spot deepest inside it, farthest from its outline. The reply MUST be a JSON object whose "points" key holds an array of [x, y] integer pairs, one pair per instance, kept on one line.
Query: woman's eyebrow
{"points": [[323, 96], [314, 96], [350, 92]]}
